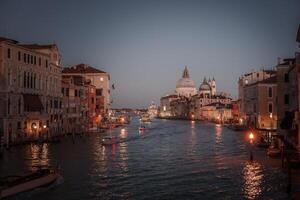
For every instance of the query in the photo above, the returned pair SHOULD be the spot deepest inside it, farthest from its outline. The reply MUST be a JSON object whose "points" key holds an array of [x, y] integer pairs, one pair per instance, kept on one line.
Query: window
{"points": [[31, 81], [63, 91], [24, 80], [55, 104], [92, 100], [19, 106], [286, 99], [257, 75], [8, 106], [19, 56], [28, 80], [24, 58], [40, 61], [270, 107], [76, 93], [28, 58], [286, 77], [270, 92], [19, 125], [31, 59], [67, 92], [46, 63], [99, 92], [8, 53], [34, 60]]}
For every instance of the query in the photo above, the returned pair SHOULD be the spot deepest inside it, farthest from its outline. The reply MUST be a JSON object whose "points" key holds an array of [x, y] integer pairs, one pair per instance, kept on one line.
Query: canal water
{"points": [[169, 160]]}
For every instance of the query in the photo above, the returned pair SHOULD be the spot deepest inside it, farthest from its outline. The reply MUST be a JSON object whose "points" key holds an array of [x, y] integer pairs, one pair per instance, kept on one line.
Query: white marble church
{"points": [[187, 99]]}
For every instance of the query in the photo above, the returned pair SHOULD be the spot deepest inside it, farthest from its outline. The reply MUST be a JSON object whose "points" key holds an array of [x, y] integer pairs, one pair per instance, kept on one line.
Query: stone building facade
{"points": [[99, 79], [30, 97], [260, 104]]}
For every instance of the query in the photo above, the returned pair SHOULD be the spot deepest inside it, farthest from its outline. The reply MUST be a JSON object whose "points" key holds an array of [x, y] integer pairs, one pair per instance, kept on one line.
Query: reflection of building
{"points": [[30, 84], [99, 79]]}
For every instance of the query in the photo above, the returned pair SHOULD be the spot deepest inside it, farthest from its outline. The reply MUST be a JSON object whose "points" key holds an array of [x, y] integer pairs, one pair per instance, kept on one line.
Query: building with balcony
{"points": [[30, 97]]}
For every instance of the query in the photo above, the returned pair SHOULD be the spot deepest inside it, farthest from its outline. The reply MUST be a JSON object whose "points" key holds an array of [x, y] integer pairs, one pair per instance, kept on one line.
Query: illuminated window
{"points": [[101, 79]]}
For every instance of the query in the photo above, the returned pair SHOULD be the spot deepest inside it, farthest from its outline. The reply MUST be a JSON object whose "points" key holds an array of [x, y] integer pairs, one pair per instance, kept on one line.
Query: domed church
{"points": [[185, 86], [207, 88]]}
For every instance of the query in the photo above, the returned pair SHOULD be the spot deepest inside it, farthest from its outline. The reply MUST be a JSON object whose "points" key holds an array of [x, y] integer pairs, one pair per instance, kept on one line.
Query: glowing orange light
{"points": [[251, 136]]}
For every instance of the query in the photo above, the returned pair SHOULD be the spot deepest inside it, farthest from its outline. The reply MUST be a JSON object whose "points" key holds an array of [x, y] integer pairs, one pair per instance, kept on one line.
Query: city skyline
{"points": [[144, 46]]}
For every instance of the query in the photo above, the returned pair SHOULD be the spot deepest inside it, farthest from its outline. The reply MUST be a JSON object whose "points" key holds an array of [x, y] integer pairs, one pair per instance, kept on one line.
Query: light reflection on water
{"points": [[38, 155], [253, 176], [169, 160]]}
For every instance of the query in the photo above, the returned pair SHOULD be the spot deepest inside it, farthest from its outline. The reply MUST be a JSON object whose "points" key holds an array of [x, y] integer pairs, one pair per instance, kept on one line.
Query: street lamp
{"points": [[251, 138]]}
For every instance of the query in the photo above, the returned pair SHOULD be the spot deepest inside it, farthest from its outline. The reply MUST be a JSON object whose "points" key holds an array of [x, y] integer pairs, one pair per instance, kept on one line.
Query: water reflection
{"points": [[38, 154], [218, 131], [123, 162], [253, 177]]}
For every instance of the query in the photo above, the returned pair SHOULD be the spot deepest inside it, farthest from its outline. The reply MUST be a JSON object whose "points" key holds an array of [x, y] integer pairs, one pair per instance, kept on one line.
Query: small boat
{"points": [[273, 152], [142, 128], [109, 140], [12, 185], [145, 118]]}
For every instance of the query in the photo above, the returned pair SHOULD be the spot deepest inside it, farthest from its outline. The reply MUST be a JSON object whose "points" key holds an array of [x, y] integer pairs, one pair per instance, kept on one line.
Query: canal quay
{"points": [[170, 159]]}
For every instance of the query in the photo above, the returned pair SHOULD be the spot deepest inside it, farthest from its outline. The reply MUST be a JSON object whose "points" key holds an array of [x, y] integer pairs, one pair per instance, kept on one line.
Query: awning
{"points": [[32, 103]]}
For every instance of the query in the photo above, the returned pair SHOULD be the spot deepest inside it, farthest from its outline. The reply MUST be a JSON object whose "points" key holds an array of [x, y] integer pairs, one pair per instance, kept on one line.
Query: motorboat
{"points": [[145, 118], [109, 140], [13, 185]]}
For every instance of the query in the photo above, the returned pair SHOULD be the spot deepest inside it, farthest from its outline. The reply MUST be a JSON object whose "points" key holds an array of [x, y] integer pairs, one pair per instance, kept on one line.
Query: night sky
{"points": [[144, 45]]}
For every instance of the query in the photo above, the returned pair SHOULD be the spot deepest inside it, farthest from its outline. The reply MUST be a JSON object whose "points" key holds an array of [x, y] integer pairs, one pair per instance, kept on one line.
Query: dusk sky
{"points": [[144, 45]]}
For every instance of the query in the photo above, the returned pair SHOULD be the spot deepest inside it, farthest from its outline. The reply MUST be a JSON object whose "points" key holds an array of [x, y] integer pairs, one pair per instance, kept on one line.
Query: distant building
{"points": [[185, 86], [99, 79], [153, 110], [187, 102], [165, 105], [30, 91]]}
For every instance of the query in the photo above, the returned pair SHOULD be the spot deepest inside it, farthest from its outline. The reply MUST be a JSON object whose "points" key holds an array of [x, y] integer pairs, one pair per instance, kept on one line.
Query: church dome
{"points": [[204, 86], [185, 81]]}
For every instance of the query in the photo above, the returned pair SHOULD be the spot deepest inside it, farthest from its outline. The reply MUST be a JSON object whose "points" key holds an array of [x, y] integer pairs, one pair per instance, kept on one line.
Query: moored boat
{"points": [[273, 152], [13, 185]]}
